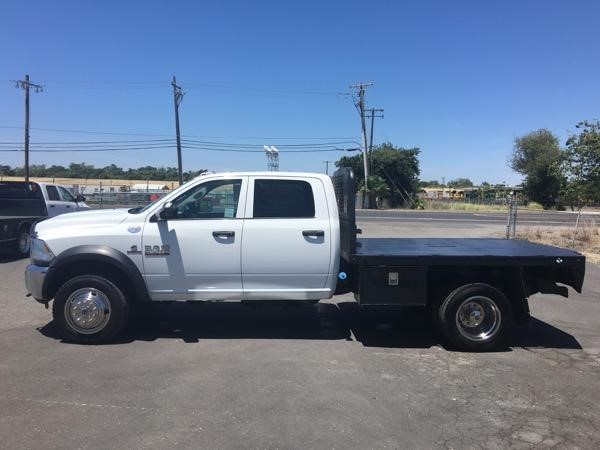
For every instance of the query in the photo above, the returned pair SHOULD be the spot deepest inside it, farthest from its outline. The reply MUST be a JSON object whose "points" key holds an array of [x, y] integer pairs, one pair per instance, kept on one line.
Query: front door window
{"points": [[212, 200]]}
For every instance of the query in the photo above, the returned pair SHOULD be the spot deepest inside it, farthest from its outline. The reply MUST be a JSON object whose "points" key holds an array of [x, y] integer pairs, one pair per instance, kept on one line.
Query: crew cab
{"points": [[280, 236]]}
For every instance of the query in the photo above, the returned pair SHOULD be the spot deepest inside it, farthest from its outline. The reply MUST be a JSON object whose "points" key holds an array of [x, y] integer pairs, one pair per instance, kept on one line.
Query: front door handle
{"points": [[224, 234], [316, 233]]}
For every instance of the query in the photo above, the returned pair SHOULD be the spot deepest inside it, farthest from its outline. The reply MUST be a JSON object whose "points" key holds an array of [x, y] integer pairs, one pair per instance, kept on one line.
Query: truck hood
{"points": [[84, 219]]}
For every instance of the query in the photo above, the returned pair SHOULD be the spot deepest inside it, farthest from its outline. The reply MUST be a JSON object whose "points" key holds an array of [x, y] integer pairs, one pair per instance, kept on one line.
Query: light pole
{"points": [[272, 157]]}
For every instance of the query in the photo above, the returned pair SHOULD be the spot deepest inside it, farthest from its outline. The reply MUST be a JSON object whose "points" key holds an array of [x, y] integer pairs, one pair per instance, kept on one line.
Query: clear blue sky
{"points": [[458, 79]]}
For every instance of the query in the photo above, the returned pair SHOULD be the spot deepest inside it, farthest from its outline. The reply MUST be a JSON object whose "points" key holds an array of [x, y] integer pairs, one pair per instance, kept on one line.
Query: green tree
{"points": [[114, 172], [37, 170], [190, 174], [111, 172], [378, 189], [399, 167], [536, 155], [82, 170], [460, 182], [57, 171], [6, 170], [431, 183], [581, 165]]}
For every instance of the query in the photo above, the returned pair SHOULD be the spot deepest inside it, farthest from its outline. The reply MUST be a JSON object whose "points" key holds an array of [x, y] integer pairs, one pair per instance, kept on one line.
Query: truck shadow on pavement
{"points": [[372, 327]]}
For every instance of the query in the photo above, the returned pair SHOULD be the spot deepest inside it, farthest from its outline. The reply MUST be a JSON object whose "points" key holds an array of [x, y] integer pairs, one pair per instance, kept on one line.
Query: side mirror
{"points": [[79, 198], [165, 211]]}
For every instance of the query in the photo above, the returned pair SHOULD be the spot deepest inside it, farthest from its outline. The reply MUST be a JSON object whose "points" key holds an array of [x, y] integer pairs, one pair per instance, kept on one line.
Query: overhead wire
{"points": [[191, 85], [132, 145], [303, 138], [79, 150]]}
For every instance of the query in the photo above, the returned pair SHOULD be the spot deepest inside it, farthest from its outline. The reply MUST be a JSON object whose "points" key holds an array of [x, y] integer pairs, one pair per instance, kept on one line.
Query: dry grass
{"points": [[475, 207], [461, 206], [586, 239]]}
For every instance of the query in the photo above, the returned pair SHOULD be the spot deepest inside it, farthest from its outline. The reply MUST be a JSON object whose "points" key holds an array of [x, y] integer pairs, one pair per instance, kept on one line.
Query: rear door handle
{"points": [[313, 233], [223, 233]]}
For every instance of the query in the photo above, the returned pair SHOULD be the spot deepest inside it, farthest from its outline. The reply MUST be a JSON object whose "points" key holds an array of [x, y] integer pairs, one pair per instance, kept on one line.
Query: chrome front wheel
{"points": [[87, 310], [90, 309]]}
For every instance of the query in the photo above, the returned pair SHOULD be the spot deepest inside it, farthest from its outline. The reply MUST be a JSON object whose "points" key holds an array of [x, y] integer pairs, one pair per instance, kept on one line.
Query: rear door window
{"points": [[52, 193], [283, 198]]}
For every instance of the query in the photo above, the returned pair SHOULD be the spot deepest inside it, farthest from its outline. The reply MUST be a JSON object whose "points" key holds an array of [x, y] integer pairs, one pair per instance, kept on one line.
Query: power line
{"points": [[92, 142], [231, 150], [143, 143], [298, 138], [146, 85], [194, 84]]}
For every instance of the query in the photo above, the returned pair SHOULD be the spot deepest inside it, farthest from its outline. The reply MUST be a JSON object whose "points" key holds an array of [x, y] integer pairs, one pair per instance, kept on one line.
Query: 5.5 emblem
{"points": [[156, 250]]}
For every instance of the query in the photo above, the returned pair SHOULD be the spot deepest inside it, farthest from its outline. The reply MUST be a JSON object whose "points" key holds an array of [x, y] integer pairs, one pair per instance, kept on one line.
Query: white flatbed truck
{"points": [[280, 236]]}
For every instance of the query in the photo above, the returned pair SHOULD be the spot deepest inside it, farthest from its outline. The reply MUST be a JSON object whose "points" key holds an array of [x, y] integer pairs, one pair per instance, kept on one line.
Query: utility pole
{"points": [[25, 85], [177, 98], [359, 103], [372, 114], [327, 166]]}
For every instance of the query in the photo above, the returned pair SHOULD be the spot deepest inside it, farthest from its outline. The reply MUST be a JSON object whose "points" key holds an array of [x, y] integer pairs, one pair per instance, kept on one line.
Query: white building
{"points": [[148, 187]]}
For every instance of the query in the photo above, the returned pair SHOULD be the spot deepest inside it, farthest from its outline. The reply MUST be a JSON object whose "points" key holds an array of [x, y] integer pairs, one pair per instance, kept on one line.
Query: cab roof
{"points": [[271, 174]]}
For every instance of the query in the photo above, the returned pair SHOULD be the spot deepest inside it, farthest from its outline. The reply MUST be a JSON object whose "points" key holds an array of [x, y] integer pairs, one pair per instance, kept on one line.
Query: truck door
{"points": [[68, 199], [194, 252], [55, 203], [286, 250]]}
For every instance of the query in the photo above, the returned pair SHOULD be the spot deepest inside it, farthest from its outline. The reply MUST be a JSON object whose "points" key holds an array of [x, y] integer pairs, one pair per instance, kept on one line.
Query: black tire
{"points": [[88, 300], [476, 317], [23, 243]]}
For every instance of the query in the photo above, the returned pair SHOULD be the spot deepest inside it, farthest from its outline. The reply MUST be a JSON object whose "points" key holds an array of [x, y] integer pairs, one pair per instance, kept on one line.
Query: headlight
{"points": [[40, 253]]}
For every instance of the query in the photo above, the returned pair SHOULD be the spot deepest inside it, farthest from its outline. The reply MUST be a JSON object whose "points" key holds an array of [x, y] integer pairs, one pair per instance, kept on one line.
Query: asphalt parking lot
{"points": [[321, 376]]}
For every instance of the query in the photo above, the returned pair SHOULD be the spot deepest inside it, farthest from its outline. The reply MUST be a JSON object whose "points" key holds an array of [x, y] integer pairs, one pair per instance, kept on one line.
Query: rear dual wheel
{"points": [[475, 317]]}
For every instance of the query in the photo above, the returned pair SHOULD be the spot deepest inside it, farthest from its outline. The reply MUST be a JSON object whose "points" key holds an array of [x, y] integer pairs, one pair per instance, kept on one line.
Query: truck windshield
{"points": [[141, 209]]}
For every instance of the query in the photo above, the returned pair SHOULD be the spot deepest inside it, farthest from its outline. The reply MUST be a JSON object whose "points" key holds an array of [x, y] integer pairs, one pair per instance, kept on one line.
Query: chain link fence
{"points": [[102, 200]]}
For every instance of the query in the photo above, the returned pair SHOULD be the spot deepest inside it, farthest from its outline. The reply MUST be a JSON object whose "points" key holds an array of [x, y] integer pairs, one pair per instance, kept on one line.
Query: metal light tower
{"points": [[272, 157]]}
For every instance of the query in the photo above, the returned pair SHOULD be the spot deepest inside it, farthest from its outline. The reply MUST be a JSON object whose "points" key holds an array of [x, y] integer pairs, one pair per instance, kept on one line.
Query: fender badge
{"points": [[156, 250], [134, 229], [134, 250]]}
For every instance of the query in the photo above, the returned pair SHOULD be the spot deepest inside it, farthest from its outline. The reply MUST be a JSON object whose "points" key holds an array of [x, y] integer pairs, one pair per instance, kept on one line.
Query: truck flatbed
{"points": [[460, 251], [422, 255]]}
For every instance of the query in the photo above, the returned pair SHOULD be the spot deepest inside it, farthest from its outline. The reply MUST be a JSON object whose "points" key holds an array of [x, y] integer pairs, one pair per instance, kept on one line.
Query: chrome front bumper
{"points": [[34, 281]]}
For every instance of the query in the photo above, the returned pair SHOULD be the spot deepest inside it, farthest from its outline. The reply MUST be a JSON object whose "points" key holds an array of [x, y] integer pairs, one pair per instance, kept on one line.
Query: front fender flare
{"points": [[101, 254]]}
